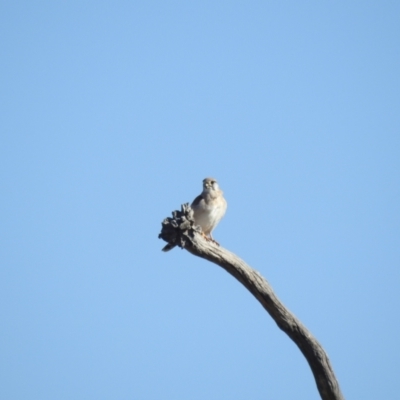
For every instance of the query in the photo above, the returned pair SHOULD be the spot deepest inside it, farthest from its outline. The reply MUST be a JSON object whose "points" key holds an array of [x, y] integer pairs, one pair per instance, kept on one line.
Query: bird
{"points": [[208, 209]]}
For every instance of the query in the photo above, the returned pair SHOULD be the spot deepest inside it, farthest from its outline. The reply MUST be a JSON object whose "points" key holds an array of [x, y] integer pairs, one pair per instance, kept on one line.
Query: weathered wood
{"points": [[180, 231]]}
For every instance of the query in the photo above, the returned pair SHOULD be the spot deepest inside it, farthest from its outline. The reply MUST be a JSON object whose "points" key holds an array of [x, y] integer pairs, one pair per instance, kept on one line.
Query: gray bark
{"points": [[180, 231]]}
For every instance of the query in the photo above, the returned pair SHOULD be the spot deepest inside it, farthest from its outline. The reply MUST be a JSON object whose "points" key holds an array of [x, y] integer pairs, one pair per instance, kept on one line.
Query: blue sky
{"points": [[114, 112]]}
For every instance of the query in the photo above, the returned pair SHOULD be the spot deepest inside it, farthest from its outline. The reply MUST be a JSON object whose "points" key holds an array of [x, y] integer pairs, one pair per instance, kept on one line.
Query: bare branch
{"points": [[180, 231]]}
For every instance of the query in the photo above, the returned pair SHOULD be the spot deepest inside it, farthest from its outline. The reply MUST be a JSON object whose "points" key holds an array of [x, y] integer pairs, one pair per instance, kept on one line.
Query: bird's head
{"points": [[210, 184]]}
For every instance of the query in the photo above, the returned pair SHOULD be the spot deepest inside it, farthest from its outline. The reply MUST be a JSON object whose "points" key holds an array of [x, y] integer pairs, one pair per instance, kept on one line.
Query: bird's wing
{"points": [[197, 200]]}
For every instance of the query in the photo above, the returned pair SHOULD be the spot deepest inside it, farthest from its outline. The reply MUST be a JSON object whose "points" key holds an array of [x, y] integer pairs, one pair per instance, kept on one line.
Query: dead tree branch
{"points": [[180, 231]]}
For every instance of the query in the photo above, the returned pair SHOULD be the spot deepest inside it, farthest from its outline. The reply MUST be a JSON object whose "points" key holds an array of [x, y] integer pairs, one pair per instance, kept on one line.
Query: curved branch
{"points": [[180, 231]]}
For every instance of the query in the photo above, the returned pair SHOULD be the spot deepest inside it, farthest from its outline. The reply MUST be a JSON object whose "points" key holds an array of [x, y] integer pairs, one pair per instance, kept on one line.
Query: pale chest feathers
{"points": [[209, 211]]}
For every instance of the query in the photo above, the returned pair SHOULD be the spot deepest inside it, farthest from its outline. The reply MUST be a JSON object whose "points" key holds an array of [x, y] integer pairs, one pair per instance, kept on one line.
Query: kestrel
{"points": [[208, 209]]}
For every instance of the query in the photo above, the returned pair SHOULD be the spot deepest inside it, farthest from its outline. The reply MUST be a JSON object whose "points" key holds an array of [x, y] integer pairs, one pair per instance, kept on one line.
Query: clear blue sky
{"points": [[112, 113]]}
